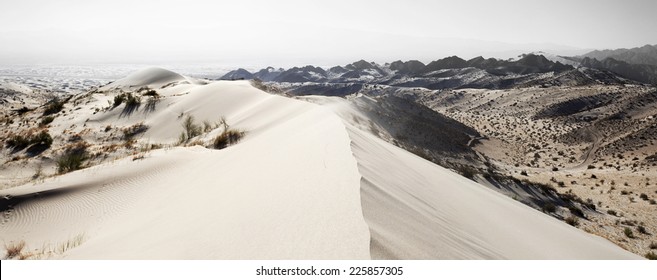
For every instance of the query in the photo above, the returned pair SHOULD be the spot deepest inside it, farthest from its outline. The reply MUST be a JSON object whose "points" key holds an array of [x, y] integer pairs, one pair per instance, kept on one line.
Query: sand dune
{"points": [[416, 209], [152, 77], [304, 183]]}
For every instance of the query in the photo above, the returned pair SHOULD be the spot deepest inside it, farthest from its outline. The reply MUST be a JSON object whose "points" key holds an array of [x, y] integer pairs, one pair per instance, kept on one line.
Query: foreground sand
{"points": [[305, 183]]}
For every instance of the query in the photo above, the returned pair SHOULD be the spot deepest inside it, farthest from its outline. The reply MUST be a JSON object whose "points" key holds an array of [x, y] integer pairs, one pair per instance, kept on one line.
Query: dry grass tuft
{"points": [[14, 249], [227, 138]]}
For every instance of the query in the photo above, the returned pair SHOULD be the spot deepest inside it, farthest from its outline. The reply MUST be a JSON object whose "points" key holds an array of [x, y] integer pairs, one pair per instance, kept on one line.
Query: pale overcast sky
{"points": [[287, 32]]}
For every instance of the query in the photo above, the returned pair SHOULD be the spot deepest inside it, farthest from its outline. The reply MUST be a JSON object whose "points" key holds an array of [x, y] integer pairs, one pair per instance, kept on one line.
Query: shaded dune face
{"points": [[304, 183]]}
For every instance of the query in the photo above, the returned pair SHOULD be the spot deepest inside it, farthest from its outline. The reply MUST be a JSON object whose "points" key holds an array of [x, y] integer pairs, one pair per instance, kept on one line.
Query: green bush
{"points": [[628, 232]]}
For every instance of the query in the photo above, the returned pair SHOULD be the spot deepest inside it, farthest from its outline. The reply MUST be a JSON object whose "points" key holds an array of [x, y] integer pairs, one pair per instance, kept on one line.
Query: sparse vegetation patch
{"points": [[227, 138], [53, 106], [72, 158], [133, 130], [41, 140]]}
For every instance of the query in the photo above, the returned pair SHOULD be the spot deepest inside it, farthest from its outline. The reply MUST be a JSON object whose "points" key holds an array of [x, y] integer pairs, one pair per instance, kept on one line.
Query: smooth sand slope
{"points": [[303, 184]]}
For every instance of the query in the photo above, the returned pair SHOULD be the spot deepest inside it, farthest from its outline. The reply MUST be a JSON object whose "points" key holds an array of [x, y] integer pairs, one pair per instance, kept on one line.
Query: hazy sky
{"points": [[286, 32]]}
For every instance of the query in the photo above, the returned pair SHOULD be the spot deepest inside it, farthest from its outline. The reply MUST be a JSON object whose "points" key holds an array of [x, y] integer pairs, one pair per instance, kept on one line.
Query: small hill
{"points": [[445, 63], [153, 77], [239, 74], [408, 67]]}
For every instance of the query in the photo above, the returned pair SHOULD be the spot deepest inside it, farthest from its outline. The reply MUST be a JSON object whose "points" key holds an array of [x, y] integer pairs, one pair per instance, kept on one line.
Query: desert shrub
{"points": [[132, 104], [651, 256], [207, 126], [549, 207], [227, 138], [47, 120], [38, 171], [23, 110], [42, 139], [572, 220], [576, 211], [182, 138], [18, 142], [191, 129], [628, 222], [72, 158], [555, 168], [628, 232], [14, 249], [132, 100], [653, 245], [643, 196], [150, 92], [523, 173], [118, 99], [152, 103], [132, 131], [466, 171], [642, 230], [611, 212], [53, 107]]}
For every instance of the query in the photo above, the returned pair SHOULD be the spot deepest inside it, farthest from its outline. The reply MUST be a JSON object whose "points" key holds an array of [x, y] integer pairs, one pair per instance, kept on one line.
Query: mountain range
{"points": [[639, 64], [607, 67], [641, 55], [363, 71]]}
